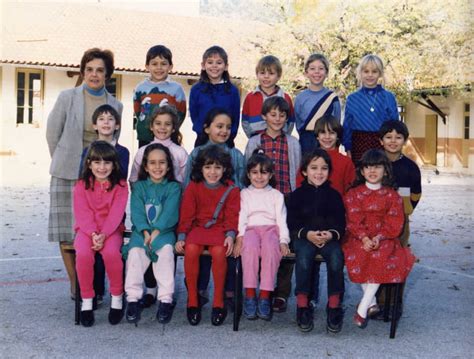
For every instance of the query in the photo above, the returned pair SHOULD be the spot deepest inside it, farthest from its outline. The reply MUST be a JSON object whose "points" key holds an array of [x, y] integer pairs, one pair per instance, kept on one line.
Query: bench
{"points": [[238, 296]]}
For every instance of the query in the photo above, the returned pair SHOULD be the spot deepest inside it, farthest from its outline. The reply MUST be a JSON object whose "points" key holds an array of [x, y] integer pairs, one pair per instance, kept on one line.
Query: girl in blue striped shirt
{"points": [[367, 109]]}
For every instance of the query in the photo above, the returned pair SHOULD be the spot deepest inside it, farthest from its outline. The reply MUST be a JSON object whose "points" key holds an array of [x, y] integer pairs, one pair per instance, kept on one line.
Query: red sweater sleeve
{"points": [[83, 212], [394, 219], [117, 209], [187, 213]]}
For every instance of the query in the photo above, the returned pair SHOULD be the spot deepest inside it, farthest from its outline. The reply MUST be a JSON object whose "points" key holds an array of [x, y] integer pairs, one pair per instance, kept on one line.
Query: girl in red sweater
{"points": [[375, 219], [100, 197], [208, 219]]}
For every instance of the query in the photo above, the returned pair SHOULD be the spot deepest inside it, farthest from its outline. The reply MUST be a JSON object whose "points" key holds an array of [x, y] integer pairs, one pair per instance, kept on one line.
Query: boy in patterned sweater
{"points": [[156, 90], [268, 72]]}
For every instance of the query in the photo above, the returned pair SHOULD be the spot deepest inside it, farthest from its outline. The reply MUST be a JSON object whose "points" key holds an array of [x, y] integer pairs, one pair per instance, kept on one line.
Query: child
{"points": [[314, 102], [263, 233], [284, 150], [214, 89], [208, 218], [164, 124], [156, 90], [106, 123], [328, 132], [99, 198], [374, 223], [154, 209], [367, 108], [217, 131], [393, 136], [316, 220], [268, 72]]}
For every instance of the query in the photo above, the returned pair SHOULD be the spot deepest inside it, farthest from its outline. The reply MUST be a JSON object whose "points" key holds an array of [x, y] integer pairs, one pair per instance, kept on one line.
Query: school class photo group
{"points": [[282, 195]]}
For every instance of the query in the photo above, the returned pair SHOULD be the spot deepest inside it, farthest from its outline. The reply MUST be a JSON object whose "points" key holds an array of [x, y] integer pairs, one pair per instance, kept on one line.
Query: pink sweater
{"points": [[99, 210], [261, 207], [178, 153]]}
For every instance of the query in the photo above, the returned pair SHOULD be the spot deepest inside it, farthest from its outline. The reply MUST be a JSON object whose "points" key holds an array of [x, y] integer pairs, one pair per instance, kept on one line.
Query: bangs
{"points": [[213, 161], [373, 158], [102, 152]]}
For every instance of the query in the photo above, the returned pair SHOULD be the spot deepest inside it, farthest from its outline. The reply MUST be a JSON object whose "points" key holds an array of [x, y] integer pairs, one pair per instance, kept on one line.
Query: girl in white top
{"points": [[262, 233], [164, 124]]}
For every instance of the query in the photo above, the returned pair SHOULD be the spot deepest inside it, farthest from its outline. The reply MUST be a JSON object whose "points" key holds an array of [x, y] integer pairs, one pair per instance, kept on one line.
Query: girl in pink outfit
{"points": [[100, 198], [263, 233]]}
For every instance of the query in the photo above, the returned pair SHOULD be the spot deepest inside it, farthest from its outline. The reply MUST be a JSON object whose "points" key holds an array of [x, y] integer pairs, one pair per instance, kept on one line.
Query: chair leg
{"points": [[237, 294], [77, 303], [386, 308], [395, 309]]}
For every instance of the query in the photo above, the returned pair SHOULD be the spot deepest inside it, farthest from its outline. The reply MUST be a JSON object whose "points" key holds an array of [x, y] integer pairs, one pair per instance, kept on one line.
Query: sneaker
{"points": [[133, 312], [379, 315], [334, 319], [115, 316], [99, 299], [218, 316], [359, 321], [147, 301], [250, 308], [313, 304], [229, 304], [279, 305], [304, 319], [264, 309], [165, 312], [87, 318]]}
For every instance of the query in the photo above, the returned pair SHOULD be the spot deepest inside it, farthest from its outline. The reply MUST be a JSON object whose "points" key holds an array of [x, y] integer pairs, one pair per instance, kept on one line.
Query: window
{"points": [[114, 86], [29, 95]]}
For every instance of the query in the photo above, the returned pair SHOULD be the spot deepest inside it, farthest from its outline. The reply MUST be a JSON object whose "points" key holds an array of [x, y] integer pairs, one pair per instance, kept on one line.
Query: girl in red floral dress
{"points": [[375, 218]]}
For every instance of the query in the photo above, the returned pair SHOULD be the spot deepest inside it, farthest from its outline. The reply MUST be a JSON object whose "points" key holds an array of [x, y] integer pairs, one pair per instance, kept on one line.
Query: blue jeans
{"points": [[332, 253]]}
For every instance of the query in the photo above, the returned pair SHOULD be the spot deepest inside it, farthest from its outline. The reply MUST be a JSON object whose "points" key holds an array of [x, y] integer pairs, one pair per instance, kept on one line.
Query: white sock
{"points": [[151, 291], [86, 304], [367, 299], [117, 302]]}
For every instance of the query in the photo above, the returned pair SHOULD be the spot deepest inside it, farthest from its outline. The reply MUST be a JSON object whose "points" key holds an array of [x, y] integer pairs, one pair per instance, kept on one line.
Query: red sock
{"points": [[219, 271], [250, 293], [264, 294], [302, 300], [191, 270], [334, 301]]}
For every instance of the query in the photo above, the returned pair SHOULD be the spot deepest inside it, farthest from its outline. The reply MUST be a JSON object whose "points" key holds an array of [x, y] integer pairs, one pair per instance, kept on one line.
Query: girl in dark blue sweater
{"points": [[214, 89]]}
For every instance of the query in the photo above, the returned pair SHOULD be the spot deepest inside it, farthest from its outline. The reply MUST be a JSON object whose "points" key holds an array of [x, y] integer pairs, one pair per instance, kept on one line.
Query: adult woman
{"points": [[68, 131]]}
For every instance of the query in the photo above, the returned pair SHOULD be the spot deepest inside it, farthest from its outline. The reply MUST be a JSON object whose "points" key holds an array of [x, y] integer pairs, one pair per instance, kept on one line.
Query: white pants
{"points": [[163, 269]]}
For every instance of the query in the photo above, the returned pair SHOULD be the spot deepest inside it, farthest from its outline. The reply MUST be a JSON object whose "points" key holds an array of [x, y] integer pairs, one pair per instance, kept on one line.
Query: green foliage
{"points": [[424, 44]]}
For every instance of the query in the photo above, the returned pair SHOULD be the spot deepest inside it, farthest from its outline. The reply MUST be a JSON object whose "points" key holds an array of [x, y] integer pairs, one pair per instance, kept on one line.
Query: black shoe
{"points": [[147, 301], [87, 318], [194, 315], [165, 312], [335, 317], [133, 312], [304, 319], [115, 316], [229, 303], [218, 316]]}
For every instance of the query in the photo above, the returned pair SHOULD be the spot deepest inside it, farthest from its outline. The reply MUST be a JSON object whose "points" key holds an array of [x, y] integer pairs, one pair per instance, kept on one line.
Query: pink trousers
{"points": [[261, 242], [85, 259]]}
